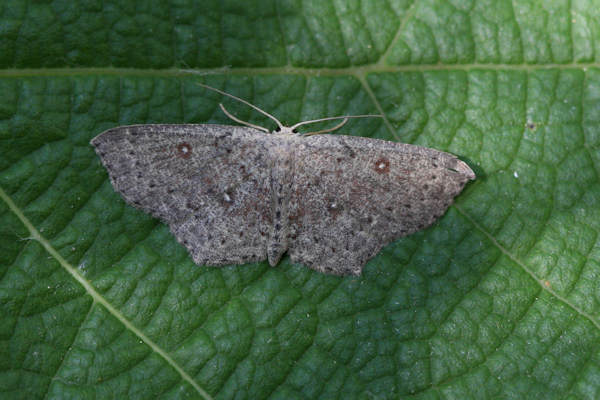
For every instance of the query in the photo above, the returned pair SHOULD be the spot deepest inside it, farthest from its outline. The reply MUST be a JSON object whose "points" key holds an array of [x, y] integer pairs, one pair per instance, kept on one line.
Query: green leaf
{"points": [[499, 299]]}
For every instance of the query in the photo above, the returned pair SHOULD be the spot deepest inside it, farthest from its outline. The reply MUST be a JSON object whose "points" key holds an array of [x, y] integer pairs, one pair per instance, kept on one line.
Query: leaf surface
{"points": [[499, 299]]}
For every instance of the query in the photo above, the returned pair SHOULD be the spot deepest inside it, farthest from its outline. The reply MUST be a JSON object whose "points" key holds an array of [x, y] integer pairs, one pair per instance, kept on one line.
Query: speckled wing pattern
{"points": [[207, 182], [233, 195], [351, 196]]}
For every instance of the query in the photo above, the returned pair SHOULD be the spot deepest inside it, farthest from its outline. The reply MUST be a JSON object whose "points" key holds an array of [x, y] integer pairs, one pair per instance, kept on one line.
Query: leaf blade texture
{"points": [[497, 299]]}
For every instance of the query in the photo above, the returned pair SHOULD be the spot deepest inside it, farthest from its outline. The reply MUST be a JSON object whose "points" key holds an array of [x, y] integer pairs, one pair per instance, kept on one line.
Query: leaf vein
{"points": [[97, 297], [525, 268]]}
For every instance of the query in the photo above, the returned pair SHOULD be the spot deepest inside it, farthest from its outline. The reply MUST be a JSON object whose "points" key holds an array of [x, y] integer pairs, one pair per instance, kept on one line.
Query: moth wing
{"points": [[351, 196], [207, 182]]}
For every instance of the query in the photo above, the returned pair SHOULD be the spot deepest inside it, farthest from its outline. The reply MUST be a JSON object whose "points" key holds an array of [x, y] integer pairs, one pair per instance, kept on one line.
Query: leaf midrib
{"points": [[362, 70], [97, 297], [523, 266]]}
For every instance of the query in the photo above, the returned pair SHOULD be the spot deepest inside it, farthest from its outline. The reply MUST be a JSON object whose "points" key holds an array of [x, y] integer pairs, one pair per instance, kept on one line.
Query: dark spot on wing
{"points": [[382, 165], [184, 150], [334, 207]]}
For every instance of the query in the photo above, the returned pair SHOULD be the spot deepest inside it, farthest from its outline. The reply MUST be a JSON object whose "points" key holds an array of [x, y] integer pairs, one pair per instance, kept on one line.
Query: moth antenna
{"points": [[279, 124], [338, 126], [345, 117], [233, 117]]}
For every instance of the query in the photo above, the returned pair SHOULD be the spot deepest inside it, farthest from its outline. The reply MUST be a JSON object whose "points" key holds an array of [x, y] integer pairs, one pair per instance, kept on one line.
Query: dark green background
{"points": [[499, 299]]}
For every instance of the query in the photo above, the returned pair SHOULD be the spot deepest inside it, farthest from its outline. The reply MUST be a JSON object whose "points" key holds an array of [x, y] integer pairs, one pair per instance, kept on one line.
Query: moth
{"points": [[241, 194]]}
